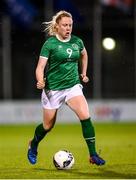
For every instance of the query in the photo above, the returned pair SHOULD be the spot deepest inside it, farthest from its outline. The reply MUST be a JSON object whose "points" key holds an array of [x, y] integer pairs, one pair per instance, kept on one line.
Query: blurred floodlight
{"points": [[109, 43]]}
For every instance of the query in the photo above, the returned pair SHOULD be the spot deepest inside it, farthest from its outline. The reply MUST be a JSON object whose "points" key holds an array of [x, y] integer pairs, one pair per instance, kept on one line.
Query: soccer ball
{"points": [[63, 159]]}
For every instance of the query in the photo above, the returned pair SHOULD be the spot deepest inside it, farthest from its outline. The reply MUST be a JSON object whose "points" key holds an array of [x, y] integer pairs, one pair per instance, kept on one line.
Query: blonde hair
{"points": [[50, 26]]}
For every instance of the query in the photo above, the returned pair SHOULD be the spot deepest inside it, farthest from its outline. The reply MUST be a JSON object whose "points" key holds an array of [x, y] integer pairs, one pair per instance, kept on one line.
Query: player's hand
{"points": [[40, 84], [84, 78]]}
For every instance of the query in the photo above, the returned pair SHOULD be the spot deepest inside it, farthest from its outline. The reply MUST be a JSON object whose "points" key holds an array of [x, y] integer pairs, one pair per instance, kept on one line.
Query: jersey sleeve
{"points": [[81, 45], [45, 50]]}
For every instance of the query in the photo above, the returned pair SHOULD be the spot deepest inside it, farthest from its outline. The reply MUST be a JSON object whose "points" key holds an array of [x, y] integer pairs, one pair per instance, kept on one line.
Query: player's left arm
{"points": [[84, 64]]}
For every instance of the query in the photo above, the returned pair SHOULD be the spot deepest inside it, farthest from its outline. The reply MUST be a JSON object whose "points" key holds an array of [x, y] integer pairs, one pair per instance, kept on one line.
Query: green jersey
{"points": [[63, 58]]}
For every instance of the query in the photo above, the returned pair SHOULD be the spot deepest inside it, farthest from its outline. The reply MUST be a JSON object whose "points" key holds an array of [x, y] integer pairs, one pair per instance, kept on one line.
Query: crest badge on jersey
{"points": [[75, 46]]}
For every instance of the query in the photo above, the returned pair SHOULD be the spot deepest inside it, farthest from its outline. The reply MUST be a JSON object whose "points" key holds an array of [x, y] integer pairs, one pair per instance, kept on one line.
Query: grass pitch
{"points": [[117, 142]]}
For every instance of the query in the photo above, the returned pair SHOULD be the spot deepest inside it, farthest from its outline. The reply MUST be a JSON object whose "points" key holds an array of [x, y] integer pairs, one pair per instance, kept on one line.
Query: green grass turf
{"points": [[117, 143]]}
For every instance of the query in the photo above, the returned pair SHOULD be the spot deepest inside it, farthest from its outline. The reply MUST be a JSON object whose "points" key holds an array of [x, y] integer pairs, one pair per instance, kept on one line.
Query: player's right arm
{"points": [[40, 72]]}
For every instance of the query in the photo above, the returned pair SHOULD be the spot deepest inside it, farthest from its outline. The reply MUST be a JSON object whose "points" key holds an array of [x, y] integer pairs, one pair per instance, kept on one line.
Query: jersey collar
{"points": [[65, 40]]}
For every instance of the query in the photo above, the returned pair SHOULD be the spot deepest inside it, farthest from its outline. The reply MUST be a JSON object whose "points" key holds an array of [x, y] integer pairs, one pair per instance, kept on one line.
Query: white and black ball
{"points": [[63, 159]]}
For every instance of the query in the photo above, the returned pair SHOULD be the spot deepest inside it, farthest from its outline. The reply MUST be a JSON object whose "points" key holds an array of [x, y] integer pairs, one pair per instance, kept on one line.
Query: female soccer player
{"points": [[62, 51]]}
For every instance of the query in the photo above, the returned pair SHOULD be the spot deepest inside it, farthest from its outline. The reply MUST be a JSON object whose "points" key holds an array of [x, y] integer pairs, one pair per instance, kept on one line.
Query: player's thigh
{"points": [[80, 106], [49, 118]]}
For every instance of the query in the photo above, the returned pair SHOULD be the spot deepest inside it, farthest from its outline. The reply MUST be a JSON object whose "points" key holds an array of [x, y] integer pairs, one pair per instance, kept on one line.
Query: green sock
{"points": [[89, 135], [40, 132]]}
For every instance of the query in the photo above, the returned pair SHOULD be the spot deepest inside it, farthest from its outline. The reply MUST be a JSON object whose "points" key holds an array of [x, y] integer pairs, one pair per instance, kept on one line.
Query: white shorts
{"points": [[54, 99]]}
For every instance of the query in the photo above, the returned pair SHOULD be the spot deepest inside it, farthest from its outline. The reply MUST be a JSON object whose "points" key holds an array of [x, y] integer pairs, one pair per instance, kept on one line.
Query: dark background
{"points": [[117, 67]]}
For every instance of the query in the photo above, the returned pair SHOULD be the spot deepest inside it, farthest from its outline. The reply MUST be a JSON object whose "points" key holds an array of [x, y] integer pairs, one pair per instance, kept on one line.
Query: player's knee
{"points": [[84, 115], [48, 126]]}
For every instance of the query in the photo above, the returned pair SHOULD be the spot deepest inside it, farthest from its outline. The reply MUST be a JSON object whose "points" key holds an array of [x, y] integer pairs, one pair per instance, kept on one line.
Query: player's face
{"points": [[64, 27]]}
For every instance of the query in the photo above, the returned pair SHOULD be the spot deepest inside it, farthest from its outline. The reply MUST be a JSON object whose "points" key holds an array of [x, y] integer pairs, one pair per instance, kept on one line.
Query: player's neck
{"points": [[63, 40]]}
